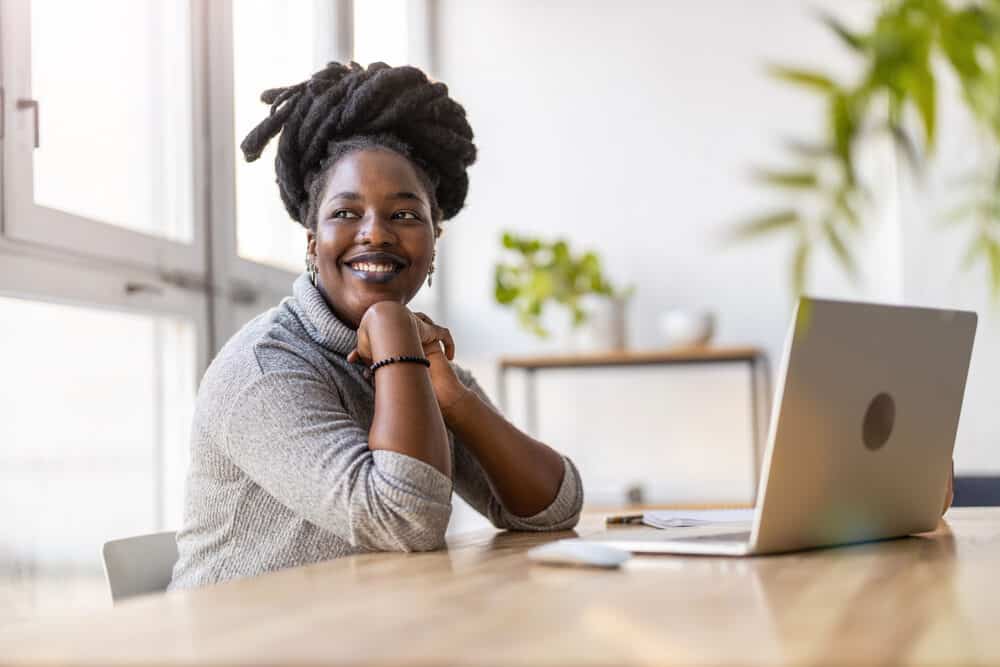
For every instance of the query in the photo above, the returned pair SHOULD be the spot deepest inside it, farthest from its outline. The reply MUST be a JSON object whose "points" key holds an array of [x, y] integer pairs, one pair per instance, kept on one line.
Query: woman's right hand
{"points": [[389, 328]]}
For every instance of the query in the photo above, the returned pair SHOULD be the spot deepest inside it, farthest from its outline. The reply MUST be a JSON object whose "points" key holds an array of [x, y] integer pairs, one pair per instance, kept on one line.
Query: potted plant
{"points": [[546, 272]]}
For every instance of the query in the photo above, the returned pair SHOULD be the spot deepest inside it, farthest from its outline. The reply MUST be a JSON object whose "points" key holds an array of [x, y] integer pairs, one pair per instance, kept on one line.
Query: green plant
{"points": [[896, 89], [544, 272]]}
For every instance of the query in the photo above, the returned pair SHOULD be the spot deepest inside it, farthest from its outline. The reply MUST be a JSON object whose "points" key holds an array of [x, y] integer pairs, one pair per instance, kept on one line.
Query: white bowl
{"points": [[683, 327]]}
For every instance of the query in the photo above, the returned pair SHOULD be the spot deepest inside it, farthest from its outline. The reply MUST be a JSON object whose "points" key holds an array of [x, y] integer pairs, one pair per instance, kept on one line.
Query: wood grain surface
{"points": [[930, 599]]}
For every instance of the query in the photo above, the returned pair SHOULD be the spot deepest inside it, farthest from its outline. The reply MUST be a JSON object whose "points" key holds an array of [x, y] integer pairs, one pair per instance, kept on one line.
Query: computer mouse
{"points": [[578, 552]]}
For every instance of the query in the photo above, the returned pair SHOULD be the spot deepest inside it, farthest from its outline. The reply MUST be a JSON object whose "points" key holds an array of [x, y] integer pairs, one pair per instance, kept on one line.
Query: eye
{"points": [[344, 213], [405, 215]]}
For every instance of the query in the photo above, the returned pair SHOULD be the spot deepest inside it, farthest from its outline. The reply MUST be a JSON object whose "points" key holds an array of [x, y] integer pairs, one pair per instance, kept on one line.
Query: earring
{"points": [[311, 269], [430, 271]]}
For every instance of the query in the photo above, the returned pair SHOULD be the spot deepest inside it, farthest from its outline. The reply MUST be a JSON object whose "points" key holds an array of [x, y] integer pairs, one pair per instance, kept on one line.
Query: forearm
{"points": [[407, 418], [526, 473]]}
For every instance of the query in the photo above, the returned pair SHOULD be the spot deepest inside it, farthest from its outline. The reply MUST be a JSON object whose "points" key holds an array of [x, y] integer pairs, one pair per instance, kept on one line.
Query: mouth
{"points": [[375, 267]]}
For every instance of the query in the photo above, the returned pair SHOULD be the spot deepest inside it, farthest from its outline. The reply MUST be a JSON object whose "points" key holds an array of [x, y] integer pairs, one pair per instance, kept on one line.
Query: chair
{"points": [[141, 564], [977, 491]]}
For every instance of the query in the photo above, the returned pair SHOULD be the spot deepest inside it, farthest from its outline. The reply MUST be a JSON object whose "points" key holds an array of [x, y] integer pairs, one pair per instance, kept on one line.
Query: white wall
{"points": [[933, 253], [629, 127]]}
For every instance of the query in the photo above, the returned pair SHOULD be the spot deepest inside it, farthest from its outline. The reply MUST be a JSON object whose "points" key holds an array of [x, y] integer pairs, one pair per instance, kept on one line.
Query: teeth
{"points": [[372, 268]]}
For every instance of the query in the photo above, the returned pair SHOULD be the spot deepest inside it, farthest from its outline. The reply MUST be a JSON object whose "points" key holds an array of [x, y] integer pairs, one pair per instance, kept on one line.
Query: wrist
{"points": [[454, 400]]}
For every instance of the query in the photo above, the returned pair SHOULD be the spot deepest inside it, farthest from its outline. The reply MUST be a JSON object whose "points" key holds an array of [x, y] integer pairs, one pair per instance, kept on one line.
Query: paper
{"points": [[690, 518]]}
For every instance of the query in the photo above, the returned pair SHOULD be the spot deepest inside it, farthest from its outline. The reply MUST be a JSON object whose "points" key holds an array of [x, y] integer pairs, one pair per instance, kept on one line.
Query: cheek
{"points": [[331, 243]]}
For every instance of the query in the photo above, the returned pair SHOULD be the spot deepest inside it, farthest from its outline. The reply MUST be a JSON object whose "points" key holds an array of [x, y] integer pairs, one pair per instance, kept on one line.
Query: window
{"points": [[269, 51], [381, 32], [100, 155], [134, 242]]}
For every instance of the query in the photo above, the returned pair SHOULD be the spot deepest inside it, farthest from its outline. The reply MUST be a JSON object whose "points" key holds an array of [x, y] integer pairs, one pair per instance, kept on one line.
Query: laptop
{"points": [[861, 435]]}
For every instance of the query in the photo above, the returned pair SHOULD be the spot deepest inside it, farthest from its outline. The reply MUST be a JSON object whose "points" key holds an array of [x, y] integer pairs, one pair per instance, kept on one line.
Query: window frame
{"points": [[25, 222]]}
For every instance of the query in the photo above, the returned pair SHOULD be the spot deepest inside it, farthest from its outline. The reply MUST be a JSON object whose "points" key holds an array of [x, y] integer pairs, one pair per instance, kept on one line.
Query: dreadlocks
{"points": [[343, 108]]}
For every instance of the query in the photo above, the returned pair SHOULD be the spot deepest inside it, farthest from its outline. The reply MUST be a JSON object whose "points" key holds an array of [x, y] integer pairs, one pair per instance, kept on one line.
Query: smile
{"points": [[371, 272]]}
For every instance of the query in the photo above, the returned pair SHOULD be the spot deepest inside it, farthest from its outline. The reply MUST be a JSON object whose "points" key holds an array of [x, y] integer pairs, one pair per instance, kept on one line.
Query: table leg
{"points": [[530, 407], [755, 425], [502, 389]]}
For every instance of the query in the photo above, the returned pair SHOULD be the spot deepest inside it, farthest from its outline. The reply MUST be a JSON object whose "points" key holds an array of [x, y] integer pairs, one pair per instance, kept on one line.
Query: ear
{"points": [[310, 242]]}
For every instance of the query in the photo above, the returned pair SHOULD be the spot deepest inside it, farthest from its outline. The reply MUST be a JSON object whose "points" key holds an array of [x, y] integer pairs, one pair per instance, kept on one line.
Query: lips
{"points": [[375, 267]]}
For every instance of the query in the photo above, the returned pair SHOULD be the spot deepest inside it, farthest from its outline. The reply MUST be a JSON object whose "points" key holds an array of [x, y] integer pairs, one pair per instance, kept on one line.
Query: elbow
{"points": [[400, 504], [391, 528]]}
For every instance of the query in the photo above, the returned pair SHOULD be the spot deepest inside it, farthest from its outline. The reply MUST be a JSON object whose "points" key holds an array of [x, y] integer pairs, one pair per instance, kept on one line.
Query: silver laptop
{"points": [[861, 435]]}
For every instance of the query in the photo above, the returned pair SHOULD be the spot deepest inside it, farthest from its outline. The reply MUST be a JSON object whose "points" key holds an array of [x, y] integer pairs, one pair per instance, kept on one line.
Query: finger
{"points": [[449, 344]]}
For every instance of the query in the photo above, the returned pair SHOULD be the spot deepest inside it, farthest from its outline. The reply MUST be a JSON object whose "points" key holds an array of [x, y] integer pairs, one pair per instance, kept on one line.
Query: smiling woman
{"points": [[336, 422]]}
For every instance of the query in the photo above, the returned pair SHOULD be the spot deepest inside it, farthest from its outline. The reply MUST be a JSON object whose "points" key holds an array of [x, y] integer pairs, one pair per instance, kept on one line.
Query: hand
{"points": [[950, 495], [385, 330], [447, 387]]}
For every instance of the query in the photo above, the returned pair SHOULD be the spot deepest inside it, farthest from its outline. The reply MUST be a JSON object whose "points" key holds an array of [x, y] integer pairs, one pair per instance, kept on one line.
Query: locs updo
{"points": [[343, 108]]}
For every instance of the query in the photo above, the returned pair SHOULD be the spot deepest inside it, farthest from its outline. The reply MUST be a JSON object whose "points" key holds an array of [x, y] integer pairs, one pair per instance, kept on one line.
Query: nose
{"points": [[376, 230]]}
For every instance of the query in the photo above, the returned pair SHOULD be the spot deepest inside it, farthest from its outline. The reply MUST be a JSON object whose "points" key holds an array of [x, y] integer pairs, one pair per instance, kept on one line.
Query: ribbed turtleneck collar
{"points": [[319, 321]]}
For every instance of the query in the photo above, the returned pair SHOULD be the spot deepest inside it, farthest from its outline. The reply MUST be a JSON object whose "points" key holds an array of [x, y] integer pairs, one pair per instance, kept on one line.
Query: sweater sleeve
{"points": [[473, 485], [289, 432]]}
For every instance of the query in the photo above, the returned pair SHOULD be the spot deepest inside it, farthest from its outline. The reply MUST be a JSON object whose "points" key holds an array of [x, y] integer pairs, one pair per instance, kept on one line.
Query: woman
{"points": [[334, 423]]}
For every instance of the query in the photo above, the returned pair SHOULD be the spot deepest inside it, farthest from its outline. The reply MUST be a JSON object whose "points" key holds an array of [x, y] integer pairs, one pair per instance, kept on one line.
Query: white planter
{"points": [[605, 329]]}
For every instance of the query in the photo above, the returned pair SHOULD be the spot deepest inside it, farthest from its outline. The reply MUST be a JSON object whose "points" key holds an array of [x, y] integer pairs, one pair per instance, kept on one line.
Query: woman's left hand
{"points": [[448, 389], [950, 495]]}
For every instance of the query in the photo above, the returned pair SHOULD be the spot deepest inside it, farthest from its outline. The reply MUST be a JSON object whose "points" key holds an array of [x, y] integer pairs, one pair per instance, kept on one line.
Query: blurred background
{"points": [[624, 140]]}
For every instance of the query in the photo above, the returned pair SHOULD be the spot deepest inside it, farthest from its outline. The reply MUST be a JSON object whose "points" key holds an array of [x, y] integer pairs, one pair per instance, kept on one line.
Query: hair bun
{"points": [[342, 102]]}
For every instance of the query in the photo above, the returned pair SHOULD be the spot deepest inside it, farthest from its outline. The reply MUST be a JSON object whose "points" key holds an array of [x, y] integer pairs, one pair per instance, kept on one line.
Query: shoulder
{"points": [[268, 344]]}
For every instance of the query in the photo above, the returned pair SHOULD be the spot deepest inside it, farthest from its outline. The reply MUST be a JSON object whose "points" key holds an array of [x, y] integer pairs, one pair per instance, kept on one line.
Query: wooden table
{"points": [[928, 599]]}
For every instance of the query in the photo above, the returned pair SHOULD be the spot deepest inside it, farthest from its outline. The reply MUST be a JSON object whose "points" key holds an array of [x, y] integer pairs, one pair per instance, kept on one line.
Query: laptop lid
{"points": [[864, 424]]}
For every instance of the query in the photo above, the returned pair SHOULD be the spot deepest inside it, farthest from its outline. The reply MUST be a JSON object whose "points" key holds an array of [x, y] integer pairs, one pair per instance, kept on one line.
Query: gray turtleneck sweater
{"points": [[281, 474]]}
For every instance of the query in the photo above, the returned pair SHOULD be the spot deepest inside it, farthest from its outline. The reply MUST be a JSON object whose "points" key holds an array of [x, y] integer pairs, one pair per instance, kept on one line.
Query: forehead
{"points": [[371, 172]]}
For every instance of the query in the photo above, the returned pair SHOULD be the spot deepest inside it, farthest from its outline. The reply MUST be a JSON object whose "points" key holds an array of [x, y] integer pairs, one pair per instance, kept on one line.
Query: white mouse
{"points": [[578, 552]]}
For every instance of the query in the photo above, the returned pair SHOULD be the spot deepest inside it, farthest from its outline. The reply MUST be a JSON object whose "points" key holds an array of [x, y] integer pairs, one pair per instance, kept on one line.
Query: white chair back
{"points": [[138, 565]]}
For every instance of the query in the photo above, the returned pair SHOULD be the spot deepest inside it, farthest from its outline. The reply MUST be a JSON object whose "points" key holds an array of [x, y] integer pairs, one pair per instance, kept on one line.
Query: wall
{"points": [[630, 127]]}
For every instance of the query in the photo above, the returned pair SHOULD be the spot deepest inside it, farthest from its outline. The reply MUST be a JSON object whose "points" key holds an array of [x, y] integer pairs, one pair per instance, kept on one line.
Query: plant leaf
{"points": [[994, 260], [840, 250], [800, 265], [853, 40], [906, 146], [842, 129], [765, 224], [919, 82], [797, 180], [803, 77], [843, 205], [979, 246]]}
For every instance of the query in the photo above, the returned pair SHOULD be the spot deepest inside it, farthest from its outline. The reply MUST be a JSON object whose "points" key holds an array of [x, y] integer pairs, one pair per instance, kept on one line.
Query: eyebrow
{"points": [[408, 195], [354, 196], [345, 195]]}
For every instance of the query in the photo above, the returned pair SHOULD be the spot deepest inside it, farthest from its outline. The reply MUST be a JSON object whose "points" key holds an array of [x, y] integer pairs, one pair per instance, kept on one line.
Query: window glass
{"points": [[380, 32], [273, 46], [96, 411], [113, 82]]}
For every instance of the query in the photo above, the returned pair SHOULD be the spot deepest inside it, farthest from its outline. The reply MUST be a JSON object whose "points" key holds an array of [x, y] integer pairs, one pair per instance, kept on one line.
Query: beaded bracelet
{"points": [[392, 360]]}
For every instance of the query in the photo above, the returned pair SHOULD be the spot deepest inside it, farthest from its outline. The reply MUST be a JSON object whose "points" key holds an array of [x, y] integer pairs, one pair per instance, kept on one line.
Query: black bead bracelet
{"points": [[392, 360]]}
